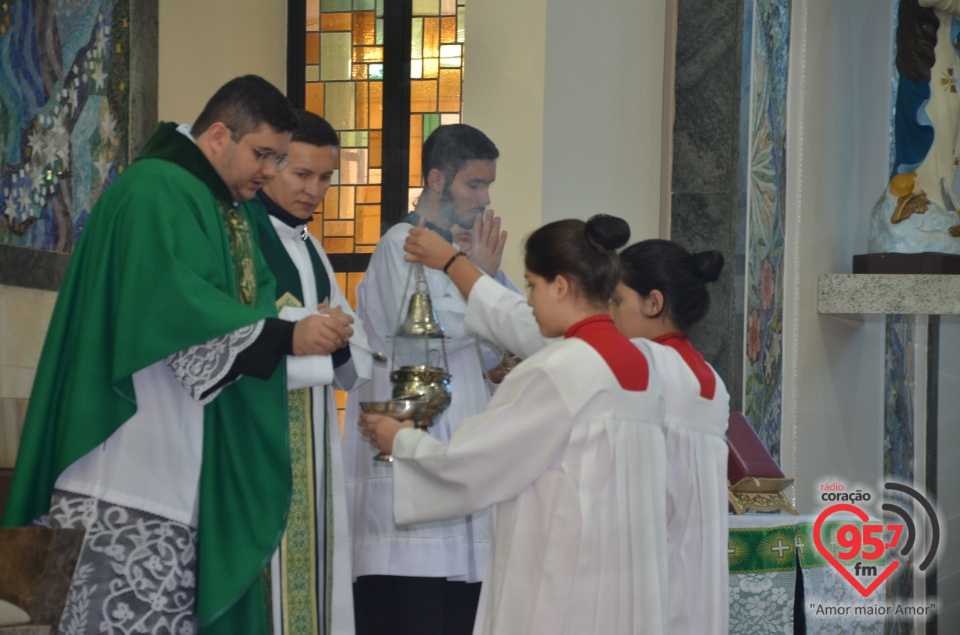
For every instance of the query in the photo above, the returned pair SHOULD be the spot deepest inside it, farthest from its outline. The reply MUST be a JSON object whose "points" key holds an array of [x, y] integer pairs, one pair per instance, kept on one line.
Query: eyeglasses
{"points": [[280, 161]]}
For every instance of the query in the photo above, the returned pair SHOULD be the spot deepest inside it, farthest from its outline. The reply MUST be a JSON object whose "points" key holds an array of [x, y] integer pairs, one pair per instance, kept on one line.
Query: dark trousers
{"points": [[400, 605]]}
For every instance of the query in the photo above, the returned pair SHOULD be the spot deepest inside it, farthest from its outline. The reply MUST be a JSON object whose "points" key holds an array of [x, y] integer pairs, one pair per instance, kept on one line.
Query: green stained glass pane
{"points": [[339, 106], [355, 139], [450, 55], [312, 73], [416, 69], [335, 56], [430, 123], [334, 5], [450, 50], [379, 32], [375, 71], [364, 5], [426, 7], [416, 39], [380, 8], [461, 24]]}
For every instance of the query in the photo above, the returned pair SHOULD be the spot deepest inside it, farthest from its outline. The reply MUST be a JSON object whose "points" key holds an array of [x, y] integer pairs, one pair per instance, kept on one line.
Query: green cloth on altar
{"points": [[165, 262]]}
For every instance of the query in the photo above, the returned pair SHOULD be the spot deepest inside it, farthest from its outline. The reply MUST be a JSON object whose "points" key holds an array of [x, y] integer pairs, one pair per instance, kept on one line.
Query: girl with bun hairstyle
{"points": [[662, 294], [570, 451]]}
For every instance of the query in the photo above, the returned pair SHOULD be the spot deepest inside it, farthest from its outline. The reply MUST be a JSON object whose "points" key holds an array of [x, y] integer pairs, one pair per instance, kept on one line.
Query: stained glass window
{"points": [[343, 44], [343, 82]]}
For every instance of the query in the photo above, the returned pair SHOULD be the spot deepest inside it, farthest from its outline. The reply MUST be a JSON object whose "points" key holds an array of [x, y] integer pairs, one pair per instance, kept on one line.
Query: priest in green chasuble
{"points": [[157, 420], [310, 573]]}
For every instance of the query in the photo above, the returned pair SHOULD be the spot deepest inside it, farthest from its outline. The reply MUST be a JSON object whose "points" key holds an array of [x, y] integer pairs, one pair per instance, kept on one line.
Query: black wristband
{"points": [[450, 262]]}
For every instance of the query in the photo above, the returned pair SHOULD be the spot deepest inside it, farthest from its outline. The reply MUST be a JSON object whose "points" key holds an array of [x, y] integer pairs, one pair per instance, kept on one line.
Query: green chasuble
{"points": [[166, 262], [306, 550]]}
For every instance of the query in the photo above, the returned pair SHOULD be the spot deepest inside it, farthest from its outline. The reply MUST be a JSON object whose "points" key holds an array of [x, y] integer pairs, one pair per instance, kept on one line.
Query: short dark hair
{"points": [[315, 130], [582, 252], [680, 277], [448, 148], [244, 104]]}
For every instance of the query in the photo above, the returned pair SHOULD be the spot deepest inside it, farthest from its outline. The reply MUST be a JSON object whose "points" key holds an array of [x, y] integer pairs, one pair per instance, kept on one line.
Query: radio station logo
{"points": [[858, 548]]}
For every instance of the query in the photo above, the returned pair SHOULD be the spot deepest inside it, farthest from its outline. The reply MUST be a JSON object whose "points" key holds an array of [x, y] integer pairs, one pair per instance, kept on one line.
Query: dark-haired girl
{"points": [[570, 452], [662, 294]]}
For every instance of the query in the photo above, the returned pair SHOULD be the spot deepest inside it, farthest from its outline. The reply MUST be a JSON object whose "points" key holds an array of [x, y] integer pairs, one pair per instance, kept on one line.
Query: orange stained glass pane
{"points": [[376, 105], [423, 95], [416, 147], [353, 279], [430, 68], [367, 53], [314, 98], [376, 149], [364, 28], [331, 202], [363, 105], [431, 37], [313, 15], [338, 245], [348, 203], [341, 278], [368, 194], [375, 175], [448, 30], [313, 48], [364, 249], [333, 228], [335, 21], [360, 71], [316, 228], [368, 224], [450, 90]]}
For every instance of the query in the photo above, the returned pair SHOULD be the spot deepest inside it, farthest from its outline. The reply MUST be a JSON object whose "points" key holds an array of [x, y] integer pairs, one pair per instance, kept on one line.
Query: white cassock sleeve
{"points": [[503, 317], [492, 456]]}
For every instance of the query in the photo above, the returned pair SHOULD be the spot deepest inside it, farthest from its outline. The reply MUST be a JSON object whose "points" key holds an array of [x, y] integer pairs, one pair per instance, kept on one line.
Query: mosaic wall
{"points": [[767, 25], [64, 100]]}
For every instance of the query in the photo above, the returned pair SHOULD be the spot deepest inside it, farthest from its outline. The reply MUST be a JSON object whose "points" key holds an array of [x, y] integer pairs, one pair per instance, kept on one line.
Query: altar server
{"points": [[569, 451]]}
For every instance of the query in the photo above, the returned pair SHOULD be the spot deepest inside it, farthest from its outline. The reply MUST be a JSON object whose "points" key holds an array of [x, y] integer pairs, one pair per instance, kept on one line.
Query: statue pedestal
{"points": [[923, 263]]}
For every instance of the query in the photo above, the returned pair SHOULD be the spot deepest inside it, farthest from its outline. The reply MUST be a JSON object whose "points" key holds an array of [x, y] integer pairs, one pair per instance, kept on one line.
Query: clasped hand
{"points": [[323, 333]]}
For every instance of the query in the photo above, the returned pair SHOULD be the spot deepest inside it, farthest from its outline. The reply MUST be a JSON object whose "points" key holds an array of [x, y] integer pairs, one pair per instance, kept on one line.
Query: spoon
{"points": [[377, 356]]}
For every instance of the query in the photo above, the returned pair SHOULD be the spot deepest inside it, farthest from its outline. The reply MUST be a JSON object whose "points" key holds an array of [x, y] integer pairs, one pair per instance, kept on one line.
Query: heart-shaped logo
{"points": [[862, 515]]}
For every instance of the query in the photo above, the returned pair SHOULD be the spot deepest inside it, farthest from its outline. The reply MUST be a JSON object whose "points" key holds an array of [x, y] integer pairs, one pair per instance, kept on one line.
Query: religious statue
{"points": [[920, 208]]}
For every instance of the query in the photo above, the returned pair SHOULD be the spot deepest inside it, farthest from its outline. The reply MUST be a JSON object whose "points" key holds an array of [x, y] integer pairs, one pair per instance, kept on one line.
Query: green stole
{"points": [[306, 550], [165, 262]]}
